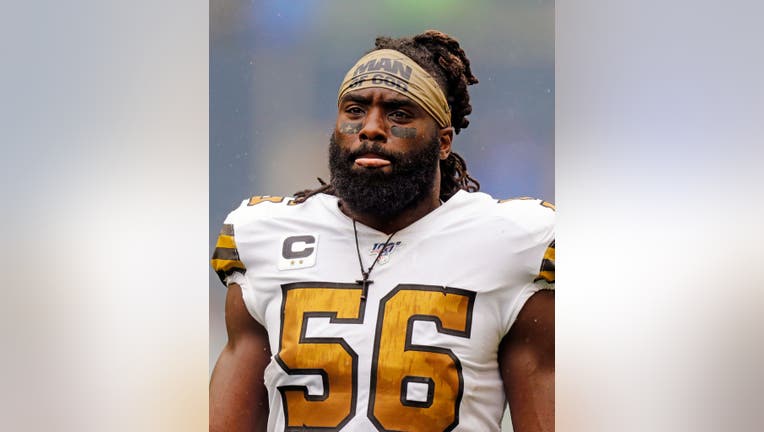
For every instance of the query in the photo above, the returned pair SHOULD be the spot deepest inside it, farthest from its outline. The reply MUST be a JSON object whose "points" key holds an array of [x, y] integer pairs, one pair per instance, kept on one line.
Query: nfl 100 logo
{"points": [[385, 255]]}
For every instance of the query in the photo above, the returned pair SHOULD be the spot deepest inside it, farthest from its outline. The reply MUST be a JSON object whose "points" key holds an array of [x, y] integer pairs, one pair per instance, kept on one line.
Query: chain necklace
{"points": [[365, 282]]}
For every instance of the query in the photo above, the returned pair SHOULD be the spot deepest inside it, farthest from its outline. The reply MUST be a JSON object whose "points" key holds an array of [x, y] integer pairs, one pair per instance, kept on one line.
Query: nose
{"points": [[374, 127]]}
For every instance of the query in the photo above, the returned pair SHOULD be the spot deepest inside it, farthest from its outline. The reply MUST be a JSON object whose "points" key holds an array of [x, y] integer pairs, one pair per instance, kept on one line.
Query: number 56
{"points": [[397, 363]]}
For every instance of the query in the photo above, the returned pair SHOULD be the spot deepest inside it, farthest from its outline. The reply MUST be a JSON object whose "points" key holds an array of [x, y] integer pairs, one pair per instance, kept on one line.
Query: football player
{"points": [[396, 297]]}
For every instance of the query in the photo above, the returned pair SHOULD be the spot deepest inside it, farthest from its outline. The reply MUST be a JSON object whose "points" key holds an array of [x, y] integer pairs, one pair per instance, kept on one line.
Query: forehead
{"points": [[377, 95]]}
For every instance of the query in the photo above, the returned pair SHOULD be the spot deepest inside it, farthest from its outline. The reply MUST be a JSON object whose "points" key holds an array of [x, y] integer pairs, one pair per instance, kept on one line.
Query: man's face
{"points": [[384, 152]]}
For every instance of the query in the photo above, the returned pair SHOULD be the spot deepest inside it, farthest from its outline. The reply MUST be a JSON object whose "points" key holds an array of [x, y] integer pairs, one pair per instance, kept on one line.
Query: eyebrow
{"points": [[363, 100], [388, 103]]}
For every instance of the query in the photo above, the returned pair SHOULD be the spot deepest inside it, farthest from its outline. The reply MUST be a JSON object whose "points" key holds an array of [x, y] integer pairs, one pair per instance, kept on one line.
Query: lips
{"points": [[371, 160]]}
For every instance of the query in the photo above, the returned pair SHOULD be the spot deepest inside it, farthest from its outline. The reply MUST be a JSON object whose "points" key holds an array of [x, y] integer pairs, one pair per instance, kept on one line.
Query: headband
{"points": [[394, 71]]}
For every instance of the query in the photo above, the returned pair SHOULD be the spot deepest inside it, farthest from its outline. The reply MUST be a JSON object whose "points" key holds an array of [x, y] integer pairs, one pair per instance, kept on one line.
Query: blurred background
{"points": [[275, 67]]}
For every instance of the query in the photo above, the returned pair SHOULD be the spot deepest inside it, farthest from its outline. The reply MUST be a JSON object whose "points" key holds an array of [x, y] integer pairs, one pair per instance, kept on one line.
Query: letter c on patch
{"points": [[297, 246]]}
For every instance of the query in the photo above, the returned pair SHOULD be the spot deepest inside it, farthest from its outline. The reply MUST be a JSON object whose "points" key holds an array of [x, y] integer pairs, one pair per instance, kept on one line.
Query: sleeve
{"points": [[538, 218], [534, 222], [225, 260]]}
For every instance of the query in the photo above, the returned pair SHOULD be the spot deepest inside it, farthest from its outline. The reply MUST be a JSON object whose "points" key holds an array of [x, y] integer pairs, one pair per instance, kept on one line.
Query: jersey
{"points": [[419, 350]]}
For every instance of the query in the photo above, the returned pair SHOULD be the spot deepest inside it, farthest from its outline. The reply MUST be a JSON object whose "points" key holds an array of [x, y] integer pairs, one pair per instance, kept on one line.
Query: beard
{"points": [[383, 194]]}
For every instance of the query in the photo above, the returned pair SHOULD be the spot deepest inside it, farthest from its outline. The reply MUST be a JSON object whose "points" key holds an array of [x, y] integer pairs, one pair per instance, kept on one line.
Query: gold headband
{"points": [[394, 71]]}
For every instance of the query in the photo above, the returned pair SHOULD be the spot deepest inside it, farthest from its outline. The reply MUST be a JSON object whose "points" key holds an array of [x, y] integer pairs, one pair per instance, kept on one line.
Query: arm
{"points": [[526, 363], [238, 398]]}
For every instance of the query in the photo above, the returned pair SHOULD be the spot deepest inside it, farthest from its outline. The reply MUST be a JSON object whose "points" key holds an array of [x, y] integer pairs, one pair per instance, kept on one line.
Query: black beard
{"points": [[372, 191]]}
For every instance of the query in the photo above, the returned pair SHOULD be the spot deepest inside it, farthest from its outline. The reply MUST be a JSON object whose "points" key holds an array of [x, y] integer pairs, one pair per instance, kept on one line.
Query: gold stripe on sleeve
{"points": [[226, 241], [227, 266], [546, 271], [225, 259]]}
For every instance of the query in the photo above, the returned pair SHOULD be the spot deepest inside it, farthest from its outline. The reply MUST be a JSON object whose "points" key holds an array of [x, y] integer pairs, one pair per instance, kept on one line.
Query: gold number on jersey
{"points": [[257, 199], [330, 358], [398, 364], [548, 205], [502, 201], [542, 202]]}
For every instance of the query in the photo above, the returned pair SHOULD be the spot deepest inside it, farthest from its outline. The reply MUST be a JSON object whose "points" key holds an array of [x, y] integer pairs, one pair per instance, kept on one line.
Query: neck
{"points": [[391, 224]]}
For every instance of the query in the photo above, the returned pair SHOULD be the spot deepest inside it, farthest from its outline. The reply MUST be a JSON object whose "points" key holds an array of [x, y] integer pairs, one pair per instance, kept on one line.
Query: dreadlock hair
{"points": [[441, 56]]}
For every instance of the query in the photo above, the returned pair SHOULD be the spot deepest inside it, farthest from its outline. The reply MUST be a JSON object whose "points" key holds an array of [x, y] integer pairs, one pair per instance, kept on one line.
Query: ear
{"points": [[446, 136]]}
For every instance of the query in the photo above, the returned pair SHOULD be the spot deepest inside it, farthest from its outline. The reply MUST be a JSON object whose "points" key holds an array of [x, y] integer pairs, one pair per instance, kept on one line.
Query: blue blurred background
{"points": [[275, 67]]}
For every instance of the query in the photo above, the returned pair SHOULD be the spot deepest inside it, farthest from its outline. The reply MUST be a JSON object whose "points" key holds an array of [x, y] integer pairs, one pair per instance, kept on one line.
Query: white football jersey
{"points": [[419, 352]]}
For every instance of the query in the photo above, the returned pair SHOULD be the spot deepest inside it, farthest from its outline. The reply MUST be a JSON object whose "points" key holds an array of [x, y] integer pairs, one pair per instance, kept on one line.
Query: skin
{"points": [[402, 132], [238, 398], [349, 128], [526, 363]]}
